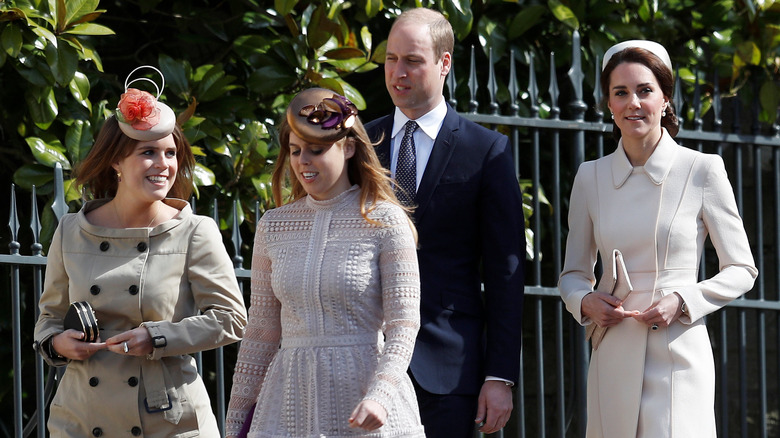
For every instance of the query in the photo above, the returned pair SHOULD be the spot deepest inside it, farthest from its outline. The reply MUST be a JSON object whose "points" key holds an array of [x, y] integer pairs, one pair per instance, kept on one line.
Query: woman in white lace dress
{"points": [[335, 290]]}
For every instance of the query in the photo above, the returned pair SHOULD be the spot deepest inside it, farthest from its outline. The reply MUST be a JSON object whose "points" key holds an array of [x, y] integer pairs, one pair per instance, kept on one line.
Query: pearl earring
{"points": [[613, 116]]}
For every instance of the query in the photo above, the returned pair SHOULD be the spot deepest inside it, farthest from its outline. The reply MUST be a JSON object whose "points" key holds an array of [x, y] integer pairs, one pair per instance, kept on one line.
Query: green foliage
{"points": [[231, 67]]}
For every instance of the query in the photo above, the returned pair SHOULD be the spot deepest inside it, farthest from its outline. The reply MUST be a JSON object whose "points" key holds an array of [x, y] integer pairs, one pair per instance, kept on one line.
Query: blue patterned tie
{"points": [[406, 167]]}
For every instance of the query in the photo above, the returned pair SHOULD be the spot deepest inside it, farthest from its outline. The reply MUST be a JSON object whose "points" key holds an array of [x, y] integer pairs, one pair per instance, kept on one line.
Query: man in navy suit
{"points": [[471, 231]]}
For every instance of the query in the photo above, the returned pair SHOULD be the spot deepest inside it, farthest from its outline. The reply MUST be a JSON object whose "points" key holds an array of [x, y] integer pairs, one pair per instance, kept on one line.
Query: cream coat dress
{"points": [[178, 280], [642, 382]]}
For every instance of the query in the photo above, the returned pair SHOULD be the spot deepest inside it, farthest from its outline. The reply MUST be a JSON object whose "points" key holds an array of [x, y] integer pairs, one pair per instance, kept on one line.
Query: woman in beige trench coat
{"points": [[656, 202], [158, 278]]}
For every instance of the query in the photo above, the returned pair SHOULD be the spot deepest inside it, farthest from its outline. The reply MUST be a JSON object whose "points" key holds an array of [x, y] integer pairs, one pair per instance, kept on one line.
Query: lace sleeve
{"points": [[261, 339], [400, 278]]}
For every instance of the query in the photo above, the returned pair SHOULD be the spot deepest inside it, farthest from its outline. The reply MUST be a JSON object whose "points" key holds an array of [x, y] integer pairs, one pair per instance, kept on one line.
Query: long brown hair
{"points": [[98, 176], [363, 169], [662, 74]]}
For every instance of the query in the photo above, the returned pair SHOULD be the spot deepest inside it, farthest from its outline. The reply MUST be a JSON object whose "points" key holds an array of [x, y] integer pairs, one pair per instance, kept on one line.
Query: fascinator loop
{"points": [[140, 114]]}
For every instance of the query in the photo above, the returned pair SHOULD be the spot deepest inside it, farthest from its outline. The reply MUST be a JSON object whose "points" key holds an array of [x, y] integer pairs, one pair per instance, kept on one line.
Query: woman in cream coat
{"points": [[159, 280], [653, 374]]}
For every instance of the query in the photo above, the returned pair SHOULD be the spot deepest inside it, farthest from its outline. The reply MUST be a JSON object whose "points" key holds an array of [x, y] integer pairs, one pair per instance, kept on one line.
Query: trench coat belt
{"points": [[161, 394]]}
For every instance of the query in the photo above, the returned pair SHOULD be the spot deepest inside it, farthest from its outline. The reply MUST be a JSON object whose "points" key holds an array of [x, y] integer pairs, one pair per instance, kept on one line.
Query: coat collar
{"points": [[185, 211], [656, 168]]}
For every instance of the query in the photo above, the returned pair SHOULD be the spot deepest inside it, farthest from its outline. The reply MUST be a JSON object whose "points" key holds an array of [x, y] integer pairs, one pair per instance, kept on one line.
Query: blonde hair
{"points": [[363, 169]]}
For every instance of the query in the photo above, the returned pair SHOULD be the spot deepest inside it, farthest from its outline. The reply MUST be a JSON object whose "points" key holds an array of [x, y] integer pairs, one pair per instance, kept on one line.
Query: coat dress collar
{"points": [[656, 168], [185, 211]]}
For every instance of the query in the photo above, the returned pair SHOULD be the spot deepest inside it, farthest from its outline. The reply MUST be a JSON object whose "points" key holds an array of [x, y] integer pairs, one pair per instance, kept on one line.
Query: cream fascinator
{"points": [[141, 115]]}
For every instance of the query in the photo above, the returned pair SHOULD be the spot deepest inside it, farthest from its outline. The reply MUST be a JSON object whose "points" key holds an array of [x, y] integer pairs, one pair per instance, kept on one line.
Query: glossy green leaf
{"points": [[63, 61], [29, 175], [459, 14], [203, 176], [90, 29], [366, 38], [78, 139], [380, 53], [78, 8], [79, 88], [284, 7], [747, 53], [770, 99], [59, 11], [345, 53], [45, 33], [270, 79], [563, 13], [175, 73], [531, 16], [43, 109], [11, 39], [46, 154], [372, 7]]}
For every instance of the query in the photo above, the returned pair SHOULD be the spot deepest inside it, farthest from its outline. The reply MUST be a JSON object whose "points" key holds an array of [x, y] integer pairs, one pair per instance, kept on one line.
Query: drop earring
{"points": [[613, 116], [119, 177], [663, 114]]}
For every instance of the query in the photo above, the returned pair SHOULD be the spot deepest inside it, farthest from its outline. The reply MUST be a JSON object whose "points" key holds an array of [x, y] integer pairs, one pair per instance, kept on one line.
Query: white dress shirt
{"points": [[424, 136]]}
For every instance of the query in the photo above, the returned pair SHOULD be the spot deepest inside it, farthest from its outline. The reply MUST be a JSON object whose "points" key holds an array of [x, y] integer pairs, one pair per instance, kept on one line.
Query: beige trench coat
{"points": [[178, 280], [657, 383]]}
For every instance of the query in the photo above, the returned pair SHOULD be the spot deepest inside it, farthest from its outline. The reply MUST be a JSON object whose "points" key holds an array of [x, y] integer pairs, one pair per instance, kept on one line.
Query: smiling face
{"points": [[637, 103], [414, 75], [149, 172], [321, 168]]}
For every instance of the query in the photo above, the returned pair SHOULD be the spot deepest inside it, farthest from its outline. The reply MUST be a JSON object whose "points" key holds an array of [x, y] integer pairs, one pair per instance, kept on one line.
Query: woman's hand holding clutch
{"points": [[605, 310]]}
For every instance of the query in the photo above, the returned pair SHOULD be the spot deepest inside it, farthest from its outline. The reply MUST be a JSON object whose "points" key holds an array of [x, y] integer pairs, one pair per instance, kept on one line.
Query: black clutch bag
{"points": [[81, 317]]}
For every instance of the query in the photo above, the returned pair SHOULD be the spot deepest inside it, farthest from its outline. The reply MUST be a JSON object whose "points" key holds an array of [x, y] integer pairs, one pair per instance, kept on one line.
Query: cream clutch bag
{"points": [[621, 287]]}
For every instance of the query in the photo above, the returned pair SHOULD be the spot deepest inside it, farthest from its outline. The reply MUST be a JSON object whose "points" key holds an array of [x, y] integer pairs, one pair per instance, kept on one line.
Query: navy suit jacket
{"points": [[469, 217]]}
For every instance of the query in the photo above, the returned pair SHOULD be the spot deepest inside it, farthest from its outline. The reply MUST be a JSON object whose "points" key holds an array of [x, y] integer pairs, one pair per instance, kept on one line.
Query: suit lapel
{"points": [[384, 128], [443, 148]]}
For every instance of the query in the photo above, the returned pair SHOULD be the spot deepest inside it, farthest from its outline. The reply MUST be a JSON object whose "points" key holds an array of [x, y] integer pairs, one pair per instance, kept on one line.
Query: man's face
{"points": [[414, 76]]}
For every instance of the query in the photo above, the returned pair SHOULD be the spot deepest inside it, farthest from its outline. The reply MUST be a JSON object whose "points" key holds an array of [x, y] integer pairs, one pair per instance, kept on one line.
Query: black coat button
{"points": [[133, 290], [133, 381], [93, 381], [141, 247], [94, 290], [97, 432], [136, 431], [104, 246]]}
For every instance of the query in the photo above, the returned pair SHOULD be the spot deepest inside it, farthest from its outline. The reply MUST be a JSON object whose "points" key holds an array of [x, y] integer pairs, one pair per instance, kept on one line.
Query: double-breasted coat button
{"points": [[133, 381], [93, 381], [141, 247], [97, 432], [133, 290], [104, 246], [136, 431], [94, 290]]}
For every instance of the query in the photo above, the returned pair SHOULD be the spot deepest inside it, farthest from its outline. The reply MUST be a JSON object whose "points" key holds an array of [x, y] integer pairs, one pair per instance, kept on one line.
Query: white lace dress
{"points": [[333, 318]]}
